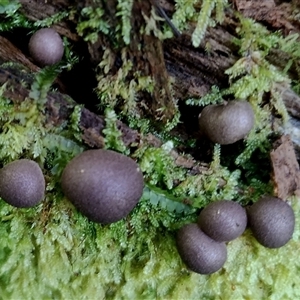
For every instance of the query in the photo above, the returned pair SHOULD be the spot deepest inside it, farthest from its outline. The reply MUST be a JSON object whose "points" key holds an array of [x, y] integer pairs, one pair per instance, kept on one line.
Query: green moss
{"points": [[124, 9], [212, 184], [185, 10], [53, 252], [112, 135], [11, 18], [254, 78], [94, 19], [120, 90], [42, 84], [56, 18], [158, 166], [92, 22]]}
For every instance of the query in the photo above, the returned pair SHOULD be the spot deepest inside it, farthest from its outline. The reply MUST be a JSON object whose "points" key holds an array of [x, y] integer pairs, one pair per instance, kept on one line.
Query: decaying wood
{"points": [[195, 70], [292, 102], [10, 53], [192, 70], [39, 10], [59, 108], [276, 16], [286, 173]]}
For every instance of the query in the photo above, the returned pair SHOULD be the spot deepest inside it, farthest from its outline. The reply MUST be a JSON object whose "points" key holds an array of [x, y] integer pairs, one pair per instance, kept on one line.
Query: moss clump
{"points": [[133, 257], [51, 251]]}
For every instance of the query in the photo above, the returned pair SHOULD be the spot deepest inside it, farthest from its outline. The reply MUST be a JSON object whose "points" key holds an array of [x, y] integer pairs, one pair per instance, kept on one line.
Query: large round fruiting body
{"points": [[22, 183], [227, 123], [104, 185], [223, 220], [46, 47], [199, 252], [272, 221]]}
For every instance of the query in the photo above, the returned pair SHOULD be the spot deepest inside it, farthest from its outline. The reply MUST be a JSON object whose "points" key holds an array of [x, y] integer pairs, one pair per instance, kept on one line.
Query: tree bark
{"points": [[194, 70]]}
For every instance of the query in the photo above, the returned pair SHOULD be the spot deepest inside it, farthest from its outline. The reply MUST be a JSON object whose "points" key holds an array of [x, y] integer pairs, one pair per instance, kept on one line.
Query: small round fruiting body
{"points": [[46, 47], [223, 220], [199, 252], [272, 221], [22, 183], [226, 123], [104, 185]]}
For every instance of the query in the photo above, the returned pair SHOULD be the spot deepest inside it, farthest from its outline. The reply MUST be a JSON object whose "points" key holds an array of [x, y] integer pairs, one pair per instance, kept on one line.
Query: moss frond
{"points": [[186, 10], [166, 201], [159, 167], [215, 96], [11, 17], [124, 9], [92, 22], [120, 90], [42, 84], [203, 21], [112, 135], [47, 22], [74, 123]]}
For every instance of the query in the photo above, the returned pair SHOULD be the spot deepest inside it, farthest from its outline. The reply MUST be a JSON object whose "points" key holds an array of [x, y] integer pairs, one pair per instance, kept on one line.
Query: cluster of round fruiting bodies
{"points": [[104, 185], [202, 245]]}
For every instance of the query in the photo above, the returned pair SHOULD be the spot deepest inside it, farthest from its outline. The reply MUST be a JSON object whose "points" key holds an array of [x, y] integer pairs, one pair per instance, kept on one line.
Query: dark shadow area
{"points": [[79, 83]]}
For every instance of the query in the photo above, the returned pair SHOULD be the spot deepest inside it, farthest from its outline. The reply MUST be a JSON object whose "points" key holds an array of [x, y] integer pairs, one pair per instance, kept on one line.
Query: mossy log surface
{"points": [[194, 70], [51, 251], [59, 107]]}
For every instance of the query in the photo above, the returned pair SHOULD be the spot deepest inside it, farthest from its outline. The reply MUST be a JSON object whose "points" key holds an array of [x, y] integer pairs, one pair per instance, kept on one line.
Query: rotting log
{"points": [[193, 70], [59, 107]]}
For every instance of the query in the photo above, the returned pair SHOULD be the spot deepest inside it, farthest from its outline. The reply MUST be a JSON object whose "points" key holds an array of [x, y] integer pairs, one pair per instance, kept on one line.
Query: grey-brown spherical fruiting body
{"points": [[199, 252], [104, 185], [223, 220], [46, 47], [227, 123], [272, 221], [22, 183]]}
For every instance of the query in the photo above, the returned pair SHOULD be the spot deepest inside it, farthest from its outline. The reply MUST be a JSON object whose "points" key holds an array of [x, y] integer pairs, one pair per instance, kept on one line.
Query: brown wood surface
{"points": [[193, 70]]}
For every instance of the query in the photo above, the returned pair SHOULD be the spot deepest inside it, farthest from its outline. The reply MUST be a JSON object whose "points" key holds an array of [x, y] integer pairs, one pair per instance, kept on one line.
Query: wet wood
{"points": [[59, 108], [191, 70], [286, 173]]}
